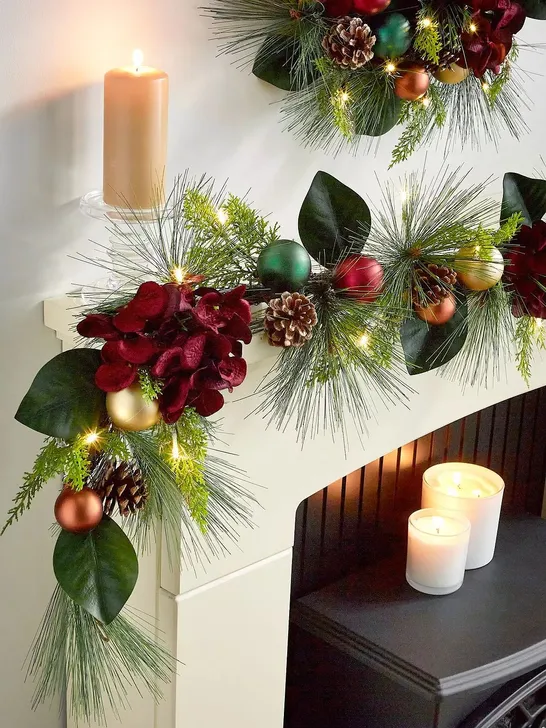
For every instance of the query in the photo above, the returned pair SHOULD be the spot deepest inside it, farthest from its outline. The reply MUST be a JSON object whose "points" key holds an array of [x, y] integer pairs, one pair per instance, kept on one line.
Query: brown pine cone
{"points": [[124, 486], [289, 320], [433, 283], [349, 43]]}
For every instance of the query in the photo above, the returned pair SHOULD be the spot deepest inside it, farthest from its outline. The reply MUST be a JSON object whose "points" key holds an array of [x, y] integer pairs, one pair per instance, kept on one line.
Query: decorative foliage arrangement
{"points": [[357, 68], [440, 283]]}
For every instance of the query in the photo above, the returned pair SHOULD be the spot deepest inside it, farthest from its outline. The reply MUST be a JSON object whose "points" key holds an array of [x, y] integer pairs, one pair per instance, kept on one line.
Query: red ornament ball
{"points": [[439, 314], [78, 511], [359, 276], [370, 7], [412, 83]]}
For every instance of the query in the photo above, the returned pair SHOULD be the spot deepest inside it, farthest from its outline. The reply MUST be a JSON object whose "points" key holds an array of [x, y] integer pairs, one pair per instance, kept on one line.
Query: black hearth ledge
{"points": [[492, 630]]}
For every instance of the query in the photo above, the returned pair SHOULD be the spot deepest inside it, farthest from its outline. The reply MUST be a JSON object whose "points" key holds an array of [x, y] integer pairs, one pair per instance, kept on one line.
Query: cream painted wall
{"points": [[52, 57]]}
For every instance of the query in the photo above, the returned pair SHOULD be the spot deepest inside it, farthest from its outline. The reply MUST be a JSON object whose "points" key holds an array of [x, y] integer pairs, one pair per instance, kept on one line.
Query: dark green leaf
{"points": [[98, 570], [273, 63], [428, 347], [384, 121], [330, 214], [63, 400], [525, 195], [534, 8]]}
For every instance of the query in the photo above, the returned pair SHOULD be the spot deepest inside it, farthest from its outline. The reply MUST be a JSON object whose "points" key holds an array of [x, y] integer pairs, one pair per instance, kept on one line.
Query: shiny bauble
{"points": [[482, 274], [452, 74], [370, 7], [393, 37], [78, 511], [438, 314], [284, 266], [359, 277], [412, 83], [129, 410]]}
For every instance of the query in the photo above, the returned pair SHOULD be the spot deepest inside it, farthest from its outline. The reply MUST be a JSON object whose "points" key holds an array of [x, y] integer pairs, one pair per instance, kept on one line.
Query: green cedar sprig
{"points": [[428, 38], [71, 460], [529, 334], [151, 387]]}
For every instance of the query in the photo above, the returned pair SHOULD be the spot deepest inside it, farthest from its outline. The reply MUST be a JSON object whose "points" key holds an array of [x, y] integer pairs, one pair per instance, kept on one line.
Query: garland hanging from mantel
{"points": [[434, 281], [357, 68]]}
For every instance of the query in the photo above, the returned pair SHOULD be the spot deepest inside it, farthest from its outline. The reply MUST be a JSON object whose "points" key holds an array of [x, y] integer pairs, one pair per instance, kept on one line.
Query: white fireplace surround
{"points": [[228, 625]]}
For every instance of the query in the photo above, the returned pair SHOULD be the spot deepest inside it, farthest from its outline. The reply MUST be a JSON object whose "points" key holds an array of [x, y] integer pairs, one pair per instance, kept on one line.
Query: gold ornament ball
{"points": [[78, 511], [438, 314], [452, 74], [130, 411], [479, 275]]}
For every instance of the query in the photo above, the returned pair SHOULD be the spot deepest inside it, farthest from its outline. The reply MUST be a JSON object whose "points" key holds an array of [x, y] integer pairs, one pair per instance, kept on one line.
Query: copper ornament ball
{"points": [[412, 83], [130, 411], [452, 74], [78, 511], [439, 314]]}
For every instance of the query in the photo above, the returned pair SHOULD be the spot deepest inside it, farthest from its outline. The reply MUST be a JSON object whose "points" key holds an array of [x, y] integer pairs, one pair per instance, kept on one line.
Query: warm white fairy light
{"points": [[179, 274], [390, 67], [473, 27], [344, 97], [425, 101], [175, 453], [91, 437], [485, 86], [425, 23], [222, 216], [364, 341], [403, 194]]}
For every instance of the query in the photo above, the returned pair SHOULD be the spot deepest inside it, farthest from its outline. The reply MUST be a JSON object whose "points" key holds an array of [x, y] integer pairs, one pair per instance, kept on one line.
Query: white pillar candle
{"points": [[437, 550], [476, 493]]}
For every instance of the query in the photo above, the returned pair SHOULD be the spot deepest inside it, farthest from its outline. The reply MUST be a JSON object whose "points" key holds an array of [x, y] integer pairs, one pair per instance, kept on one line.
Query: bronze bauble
{"points": [[479, 275], [452, 74], [412, 84], [439, 314], [78, 511], [129, 411]]}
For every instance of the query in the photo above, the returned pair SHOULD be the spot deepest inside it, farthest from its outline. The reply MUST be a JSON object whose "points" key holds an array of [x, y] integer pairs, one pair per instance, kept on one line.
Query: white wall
{"points": [[52, 57]]}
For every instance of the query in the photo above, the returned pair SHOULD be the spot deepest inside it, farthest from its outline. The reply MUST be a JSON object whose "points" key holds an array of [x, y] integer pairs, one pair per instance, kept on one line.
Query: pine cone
{"points": [[435, 282], [289, 320], [124, 486], [349, 43]]}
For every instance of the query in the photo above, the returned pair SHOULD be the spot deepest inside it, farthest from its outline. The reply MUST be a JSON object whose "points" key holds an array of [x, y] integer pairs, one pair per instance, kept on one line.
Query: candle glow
{"points": [[138, 59]]}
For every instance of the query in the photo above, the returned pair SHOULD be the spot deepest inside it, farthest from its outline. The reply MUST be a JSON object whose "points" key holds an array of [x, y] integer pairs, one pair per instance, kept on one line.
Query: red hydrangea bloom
{"points": [[338, 8], [192, 340], [526, 271], [496, 21]]}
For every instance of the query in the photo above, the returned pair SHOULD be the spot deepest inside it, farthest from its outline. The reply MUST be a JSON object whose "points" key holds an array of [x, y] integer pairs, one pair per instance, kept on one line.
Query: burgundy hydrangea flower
{"points": [[192, 340], [338, 8], [525, 271], [496, 22]]}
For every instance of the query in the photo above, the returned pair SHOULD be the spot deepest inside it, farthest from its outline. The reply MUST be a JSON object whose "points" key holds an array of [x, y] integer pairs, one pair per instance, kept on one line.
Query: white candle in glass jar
{"points": [[437, 549], [476, 493]]}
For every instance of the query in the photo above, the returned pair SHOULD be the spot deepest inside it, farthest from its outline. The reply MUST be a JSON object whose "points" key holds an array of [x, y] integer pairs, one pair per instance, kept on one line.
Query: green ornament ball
{"points": [[393, 37], [284, 266]]}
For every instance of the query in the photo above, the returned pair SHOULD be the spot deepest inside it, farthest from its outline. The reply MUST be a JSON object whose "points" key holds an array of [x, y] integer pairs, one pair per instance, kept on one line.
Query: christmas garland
{"points": [[438, 284], [357, 68]]}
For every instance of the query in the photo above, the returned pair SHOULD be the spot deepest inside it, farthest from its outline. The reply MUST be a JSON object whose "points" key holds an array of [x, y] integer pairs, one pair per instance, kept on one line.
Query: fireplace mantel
{"points": [[228, 625]]}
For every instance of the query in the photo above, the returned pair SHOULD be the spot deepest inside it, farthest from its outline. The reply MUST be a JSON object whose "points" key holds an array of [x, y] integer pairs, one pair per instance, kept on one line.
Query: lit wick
{"points": [[138, 59]]}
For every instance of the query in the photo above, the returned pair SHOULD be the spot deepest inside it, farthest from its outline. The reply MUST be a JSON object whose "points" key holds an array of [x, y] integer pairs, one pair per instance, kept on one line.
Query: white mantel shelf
{"points": [[229, 625]]}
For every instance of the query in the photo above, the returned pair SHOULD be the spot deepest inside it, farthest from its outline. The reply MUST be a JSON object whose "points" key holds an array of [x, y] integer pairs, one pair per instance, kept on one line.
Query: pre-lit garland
{"points": [[357, 68], [127, 423]]}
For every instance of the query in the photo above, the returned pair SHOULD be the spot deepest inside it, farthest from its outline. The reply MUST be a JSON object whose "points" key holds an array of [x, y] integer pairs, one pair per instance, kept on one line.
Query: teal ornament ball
{"points": [[393, 37], [284, 266]]}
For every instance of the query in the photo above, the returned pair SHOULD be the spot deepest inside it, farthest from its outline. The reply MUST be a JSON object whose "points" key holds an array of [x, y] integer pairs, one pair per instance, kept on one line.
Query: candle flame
{"points": [[477, 494], [138, 58], [437, 523], [457, 479]]}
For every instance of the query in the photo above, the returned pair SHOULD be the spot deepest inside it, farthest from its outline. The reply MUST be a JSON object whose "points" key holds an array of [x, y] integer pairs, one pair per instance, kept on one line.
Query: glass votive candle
{"points": [[437, 550], [476, 493]]}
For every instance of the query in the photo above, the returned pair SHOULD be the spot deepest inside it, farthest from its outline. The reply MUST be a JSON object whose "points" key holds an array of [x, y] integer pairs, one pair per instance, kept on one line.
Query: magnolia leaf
{"points": [[63, 400], [428, 347], [382, 122], [330, 214], [534, 8], [524, 195], [98, 570]]}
